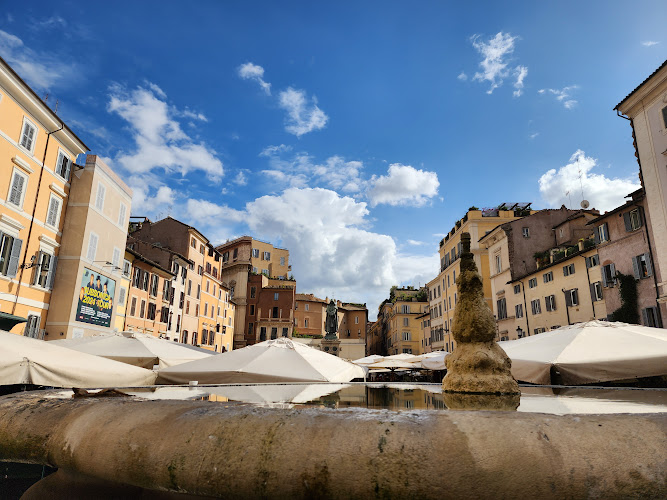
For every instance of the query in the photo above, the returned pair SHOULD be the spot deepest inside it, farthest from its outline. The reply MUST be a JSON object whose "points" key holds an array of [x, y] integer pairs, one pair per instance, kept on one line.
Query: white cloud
{"points": [[602, 192], [151, 202], [415, 242], [520, 73], [563, 95], [223, 213], [462, 76], [331, 250], [250, 71], [302, 116], [241, 179], [55, 21], [494, 59], [649, 43], [160, 141], [532, 136], [187, 113], [405, 185], [42, 71]]}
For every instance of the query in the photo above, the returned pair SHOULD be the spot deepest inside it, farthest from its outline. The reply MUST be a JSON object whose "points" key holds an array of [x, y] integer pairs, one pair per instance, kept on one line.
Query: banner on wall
{"points": [[95, 298]]}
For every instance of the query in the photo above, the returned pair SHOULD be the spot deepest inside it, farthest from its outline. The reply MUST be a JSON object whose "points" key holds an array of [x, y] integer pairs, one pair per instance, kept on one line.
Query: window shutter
{"points": [[644, 317], [53, 212], [593, 294], [28, 136], [68, 168], [568, 298], [92, 247], [121, 296], [606, 231], [635, 268], [649, 267], [641, 216], [51, 277], [17, 189], [626, 220], [13, 265], [596, 235], [37, 267], [121, 214], [612, 267]]}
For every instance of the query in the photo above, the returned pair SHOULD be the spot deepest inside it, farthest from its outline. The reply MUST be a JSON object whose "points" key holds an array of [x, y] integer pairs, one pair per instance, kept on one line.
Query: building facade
{"points": [[624, 244], [93, 247], [37, 151], [646, 108], [270, 306]]}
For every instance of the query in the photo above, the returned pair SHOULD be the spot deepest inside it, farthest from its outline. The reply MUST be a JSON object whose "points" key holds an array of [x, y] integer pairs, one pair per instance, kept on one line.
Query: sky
{"points": [[354, 134]]}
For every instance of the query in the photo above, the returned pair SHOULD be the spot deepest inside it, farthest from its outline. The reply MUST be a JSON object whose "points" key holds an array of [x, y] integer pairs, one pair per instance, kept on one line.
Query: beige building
{"points": [[646, 108], [242, 258], [38, 151], [477, 223], [92, 248]]}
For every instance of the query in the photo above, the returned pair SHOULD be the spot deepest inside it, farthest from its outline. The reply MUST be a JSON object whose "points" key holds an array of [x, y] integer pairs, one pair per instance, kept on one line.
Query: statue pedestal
{"points": [[330, 345]]}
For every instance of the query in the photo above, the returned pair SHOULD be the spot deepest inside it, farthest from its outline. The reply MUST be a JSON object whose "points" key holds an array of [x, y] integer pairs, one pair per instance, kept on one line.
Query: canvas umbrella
{"points": [[368, 360], [432, 360], [136, 349], [584, 353], [30, 361], [279, 360]]}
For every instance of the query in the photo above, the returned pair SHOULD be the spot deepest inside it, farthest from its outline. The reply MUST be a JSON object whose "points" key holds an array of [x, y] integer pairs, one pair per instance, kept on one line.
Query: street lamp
{"points": [[519, 332]]}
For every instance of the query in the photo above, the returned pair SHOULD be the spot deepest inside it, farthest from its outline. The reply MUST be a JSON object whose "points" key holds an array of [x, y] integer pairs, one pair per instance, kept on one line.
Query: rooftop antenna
{"points": [[584, 201], [46, 97], [57, 103]]}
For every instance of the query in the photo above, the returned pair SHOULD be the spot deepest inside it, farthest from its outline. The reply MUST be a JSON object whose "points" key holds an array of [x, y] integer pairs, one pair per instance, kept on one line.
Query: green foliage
{"points": [[628, 312], [470, 209], [422, 296], [588, 243]]}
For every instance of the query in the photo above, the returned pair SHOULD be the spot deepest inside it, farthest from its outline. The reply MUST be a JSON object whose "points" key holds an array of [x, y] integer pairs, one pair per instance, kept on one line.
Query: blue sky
{"points": [[353, 133]]}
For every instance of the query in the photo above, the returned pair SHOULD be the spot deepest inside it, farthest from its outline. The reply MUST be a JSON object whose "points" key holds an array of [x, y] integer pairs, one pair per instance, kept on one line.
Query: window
{"points": [[602, 233], [101, 193], [225, 257], [517, 289], [405, 309], [122, 213], [664, 116], [17, 188], [235, 254], [406, 336], [275, 313], [115, 259], [525, 231], [572, 297], [650, 317], [45, 270], [193, 243], [208, 268], [252, 309], [274, 333], [142, 309], [356, 320], [532, 282], [276, 295], [502, 308], [28, 135], [53, 213], [641, 265], [596, 291], [306, 307], [121, 295], [454, 279], [190, 287], [201, 249], [150, 314], [255, 253], [253, 292], [206, 309], [518, 310], [547, 277], [568, 270], [535, 306], [204, 336], [498, 261], [305, 323], [608, 275], [285, 331], [196, 309], [266, 256], [251, 328], [254, 270], [154, 285], [198, 291], [63, 165], [127, 266], [200, 270], [133, 307], [550, 303], [632, 220], [282, 261], [406, 321], [187, 307], [539, 330], [92, 247], [592, 261]]}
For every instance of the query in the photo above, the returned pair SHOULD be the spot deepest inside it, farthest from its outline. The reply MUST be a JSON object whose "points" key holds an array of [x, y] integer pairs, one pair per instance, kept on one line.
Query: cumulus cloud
{"points": [[160, 143], [533, 135], [520, 72], [42, 71], [332, 251], [563, 95], [250, 71], [602, 192], [495, 53], [187, 113], [241, 179], [462, 76], [404, 185], [303, 115], [649, 43], [415, 242], [150, 201]]}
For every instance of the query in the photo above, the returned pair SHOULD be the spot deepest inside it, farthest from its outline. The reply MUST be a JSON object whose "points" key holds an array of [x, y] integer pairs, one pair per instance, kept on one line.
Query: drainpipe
{"points": [[567, 310], [32, 220], [588, 277], [525, 308]]}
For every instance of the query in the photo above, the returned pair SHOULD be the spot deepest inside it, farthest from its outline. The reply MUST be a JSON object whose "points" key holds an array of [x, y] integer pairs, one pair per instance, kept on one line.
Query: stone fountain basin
{"points": [[242, 450]]}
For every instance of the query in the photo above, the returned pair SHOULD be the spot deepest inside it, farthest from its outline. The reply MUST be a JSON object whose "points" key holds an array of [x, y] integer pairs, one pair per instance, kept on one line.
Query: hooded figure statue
{"points": [[331, 324]]}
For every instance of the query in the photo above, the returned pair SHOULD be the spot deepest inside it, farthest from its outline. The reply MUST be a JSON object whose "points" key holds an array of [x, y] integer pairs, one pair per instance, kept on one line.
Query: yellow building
{"points": [[124, 287], [37, 151], [477, 223]]}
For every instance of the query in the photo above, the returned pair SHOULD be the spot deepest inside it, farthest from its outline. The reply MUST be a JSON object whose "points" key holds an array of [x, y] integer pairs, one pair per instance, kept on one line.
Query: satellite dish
{"points": [[585, 204]]}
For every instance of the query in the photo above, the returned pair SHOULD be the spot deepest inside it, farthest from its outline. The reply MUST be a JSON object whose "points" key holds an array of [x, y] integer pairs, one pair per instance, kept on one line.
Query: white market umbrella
{"points": [[392, 364], [368, 360], [433, 360], [584, 353], [30, 361], [279, 360], [136, 349]]}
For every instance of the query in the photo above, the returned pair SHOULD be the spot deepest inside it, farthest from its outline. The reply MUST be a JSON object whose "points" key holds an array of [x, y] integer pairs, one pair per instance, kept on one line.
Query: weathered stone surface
{"points": [[242, 451], [477, 365]]}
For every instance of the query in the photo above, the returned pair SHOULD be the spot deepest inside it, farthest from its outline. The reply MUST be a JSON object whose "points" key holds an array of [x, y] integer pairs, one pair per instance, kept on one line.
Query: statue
{"points": [[331, 324], [478, 366]]}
